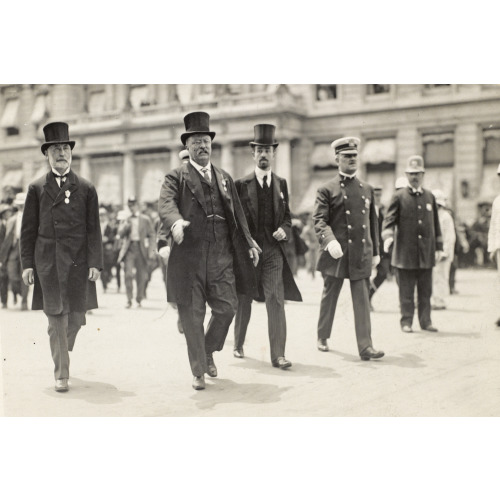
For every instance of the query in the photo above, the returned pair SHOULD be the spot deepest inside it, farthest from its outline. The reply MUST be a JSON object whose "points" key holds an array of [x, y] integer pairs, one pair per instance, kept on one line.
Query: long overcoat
{"points": [[61, 241], [181, 197], [413, 221], [345, 211], [247, 191]]}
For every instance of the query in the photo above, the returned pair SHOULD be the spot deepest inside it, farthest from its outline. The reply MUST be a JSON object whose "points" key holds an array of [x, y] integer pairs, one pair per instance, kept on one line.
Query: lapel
{"points": [[50, 186], [70, 185], [252, 198], [193, 182], [224, 187], [276, 198]]}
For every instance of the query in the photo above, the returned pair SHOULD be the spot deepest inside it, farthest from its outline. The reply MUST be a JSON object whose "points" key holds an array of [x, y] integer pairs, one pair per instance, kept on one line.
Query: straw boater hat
{"points": [[56, 133], [264, 135], [196, 123]]}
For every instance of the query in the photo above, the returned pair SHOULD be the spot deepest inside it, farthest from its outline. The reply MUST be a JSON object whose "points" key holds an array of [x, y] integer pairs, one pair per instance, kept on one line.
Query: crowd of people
{"points": [[225, 243]]}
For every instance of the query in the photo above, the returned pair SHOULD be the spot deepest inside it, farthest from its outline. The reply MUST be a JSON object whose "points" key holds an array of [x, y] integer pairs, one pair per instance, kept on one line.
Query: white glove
{"points": [[164, 253], [28, 276], [387, 244], [334, 249], [376, 261], [178, 230]]}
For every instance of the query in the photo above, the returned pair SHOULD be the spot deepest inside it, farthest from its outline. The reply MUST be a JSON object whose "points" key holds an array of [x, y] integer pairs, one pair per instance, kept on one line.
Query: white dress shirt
{"points": [[259, 173]]}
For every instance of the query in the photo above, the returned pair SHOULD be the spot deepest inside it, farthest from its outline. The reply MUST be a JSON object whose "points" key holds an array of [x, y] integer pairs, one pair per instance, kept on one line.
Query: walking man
{"points": [[345, 221], [417, 242], [212, 254], [264, 197], [61, 247]]}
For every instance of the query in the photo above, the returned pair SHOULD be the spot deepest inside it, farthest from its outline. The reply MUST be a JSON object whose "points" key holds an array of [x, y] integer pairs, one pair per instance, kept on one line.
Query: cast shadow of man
{"points": [[403, 360], [92, 392]]}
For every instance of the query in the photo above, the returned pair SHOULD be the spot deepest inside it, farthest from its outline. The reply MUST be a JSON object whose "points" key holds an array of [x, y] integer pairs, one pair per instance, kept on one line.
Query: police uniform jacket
{"points": [[418, 235], [345, 211], [181, 197], [61, 241], [247, 191]]}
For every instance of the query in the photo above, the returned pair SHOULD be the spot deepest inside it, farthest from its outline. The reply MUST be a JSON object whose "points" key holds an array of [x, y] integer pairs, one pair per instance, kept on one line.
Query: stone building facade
{"points": [[128, 136]]}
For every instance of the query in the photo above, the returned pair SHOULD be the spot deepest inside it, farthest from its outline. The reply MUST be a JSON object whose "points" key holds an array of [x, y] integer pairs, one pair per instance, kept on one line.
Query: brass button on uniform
{"points": [[348, 212]]}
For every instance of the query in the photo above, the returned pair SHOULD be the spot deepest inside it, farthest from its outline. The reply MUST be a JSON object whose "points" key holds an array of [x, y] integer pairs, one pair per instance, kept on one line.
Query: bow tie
{"points": [[62, 177]]}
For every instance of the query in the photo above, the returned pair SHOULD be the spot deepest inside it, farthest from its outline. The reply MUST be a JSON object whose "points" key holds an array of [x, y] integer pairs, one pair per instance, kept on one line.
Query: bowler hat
{"points": [[346, 145], [264, 135], [196, 123], [415, 165], [56, 133]]}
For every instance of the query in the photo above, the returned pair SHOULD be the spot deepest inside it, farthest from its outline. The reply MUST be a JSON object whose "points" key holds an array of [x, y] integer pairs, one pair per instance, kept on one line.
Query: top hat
{"points": [[196, 123], [264, 135], [346, 145], [415, 165], [56, 133]]}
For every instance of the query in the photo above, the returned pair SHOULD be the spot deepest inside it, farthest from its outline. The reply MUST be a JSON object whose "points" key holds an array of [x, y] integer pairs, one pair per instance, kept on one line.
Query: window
{"points": [[438, 150], [9, 119], [378, 88], [326, 92], [40, 111], [139, 96]]}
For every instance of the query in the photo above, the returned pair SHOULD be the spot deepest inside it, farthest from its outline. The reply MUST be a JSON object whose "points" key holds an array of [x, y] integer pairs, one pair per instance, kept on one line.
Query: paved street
{"points": [[134, 362]]}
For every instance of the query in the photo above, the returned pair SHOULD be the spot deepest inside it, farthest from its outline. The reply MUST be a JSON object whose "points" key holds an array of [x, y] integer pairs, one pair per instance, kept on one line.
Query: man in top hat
{"points": [[212, 252], [138, 239], [494, 238], [412, 224], [61, 247], [264, 197], [10, 258], [345, 221]]}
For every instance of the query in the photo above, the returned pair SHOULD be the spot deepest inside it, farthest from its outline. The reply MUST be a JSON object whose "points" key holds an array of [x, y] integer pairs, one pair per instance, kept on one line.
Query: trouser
{"points": [[270, 272], [440, 283], [360, 304], [214, 284], [135, 265], [62, 331], [14, 272], [407, 279], [4, 285]]}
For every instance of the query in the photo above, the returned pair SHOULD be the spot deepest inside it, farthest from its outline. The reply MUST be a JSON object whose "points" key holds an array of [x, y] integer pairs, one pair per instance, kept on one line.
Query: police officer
{"points": [[417, 244], [346, 226]]}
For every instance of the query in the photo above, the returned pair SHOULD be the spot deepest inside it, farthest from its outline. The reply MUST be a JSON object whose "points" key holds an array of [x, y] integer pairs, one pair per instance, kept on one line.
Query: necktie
{"points": [[205, 174], [264, 182]]}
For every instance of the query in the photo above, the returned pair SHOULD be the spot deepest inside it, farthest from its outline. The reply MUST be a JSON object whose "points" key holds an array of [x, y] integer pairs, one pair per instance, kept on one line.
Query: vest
{"points": [[216, 228], [265, 225]]}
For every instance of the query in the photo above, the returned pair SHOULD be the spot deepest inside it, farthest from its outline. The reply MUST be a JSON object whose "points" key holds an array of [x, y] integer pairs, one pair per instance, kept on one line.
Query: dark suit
{"points": [[345, 211], [136, 254], [213, 260], [274, 276], [61, 241], [416, 240], [385, 258]]}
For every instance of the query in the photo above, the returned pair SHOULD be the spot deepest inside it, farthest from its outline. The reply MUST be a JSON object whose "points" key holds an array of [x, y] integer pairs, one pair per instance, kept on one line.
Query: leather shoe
{"points": [[498, 322], [199, 383], [430, 328], [282, 363], [438, 308], [61, 385], [323, 345], [406, 329], [211, 368], [238, 353], [371, 353]]}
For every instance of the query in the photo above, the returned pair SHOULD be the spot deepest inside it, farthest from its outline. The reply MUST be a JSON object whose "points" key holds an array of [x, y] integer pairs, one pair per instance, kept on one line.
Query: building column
{"points": [[128, 176], [284, 162], [85, 170], [226, 161], [409, 142]]}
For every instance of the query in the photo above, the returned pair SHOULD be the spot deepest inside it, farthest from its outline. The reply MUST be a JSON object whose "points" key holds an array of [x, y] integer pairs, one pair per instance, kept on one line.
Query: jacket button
{"points": [[364, 226], [345, 197], [363, 240], [419, 236], [363, 211], [420, 222], [419, 207], [348, 212], [349, 227], [342, 185], [350, 241], [362, 197]]}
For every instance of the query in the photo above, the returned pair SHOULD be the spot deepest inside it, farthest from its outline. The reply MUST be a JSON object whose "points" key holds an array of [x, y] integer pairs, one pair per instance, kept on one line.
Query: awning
{"points": [[39, 109], [13, 177], [322, 155], [447, 136], [493, 133], [375, 151], [9, 117]]}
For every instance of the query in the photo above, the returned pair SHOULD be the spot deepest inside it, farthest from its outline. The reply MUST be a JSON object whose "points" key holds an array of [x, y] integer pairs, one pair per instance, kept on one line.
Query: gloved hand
{"points": [[178, 230], [387, 244], [94, 274], [164, 253], [375, 261], [334, 249]]}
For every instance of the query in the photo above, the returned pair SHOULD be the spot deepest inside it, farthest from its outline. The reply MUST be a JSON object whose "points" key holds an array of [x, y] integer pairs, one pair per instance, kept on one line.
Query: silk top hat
{"points": [[56, 133], [196, 123], [415, 165], [264, 135], [346, 145]]}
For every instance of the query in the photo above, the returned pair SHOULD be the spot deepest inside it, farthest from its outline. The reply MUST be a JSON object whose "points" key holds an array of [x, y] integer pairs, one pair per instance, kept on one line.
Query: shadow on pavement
{"points": [[405, 360], [224, 391], [297, 369], [91, 392], [463, 335]]}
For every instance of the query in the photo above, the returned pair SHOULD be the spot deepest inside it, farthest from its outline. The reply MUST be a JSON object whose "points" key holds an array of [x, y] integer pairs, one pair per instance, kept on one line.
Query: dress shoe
{"points": [[238, 353], [129, 305], [371, 353], [430, 328], [406, 329], [61, 385], [323, 345], [282, 363], [199, 383], [498, 322], [211, 368], [438, 308]]}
